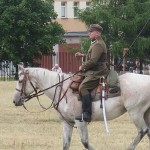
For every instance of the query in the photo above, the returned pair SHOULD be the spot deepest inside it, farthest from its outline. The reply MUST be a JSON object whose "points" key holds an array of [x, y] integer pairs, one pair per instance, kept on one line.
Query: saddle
{"points": [[112, 87]]}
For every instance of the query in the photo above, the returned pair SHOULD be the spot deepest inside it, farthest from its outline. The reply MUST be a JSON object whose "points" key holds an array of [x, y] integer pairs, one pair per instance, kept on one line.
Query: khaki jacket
{"points": [[95, 61]]}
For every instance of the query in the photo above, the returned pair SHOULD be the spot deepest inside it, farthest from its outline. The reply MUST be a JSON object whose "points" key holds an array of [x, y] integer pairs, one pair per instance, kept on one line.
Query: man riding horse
{"points": [[92, 69]]}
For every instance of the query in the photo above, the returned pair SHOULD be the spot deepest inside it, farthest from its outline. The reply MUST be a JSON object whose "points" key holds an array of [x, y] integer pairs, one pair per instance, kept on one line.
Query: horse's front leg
{"points": [[83, 131], [67, 134], [138, 138]]}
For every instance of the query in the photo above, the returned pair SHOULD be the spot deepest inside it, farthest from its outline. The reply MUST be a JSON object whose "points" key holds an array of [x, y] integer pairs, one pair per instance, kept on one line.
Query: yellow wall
{"points": [[72, 25]]}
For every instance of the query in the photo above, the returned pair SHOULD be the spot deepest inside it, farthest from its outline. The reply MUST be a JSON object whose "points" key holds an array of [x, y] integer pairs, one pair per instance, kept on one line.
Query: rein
{"points": [[39, 93], [134, 41]]}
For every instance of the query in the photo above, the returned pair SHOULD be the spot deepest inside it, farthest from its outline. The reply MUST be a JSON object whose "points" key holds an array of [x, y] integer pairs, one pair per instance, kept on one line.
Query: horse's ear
{"points": [[20, 67]]}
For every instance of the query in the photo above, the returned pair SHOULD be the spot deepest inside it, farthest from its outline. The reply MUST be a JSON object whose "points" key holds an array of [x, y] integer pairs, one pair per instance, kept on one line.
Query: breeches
{"points": [[89, 83]]}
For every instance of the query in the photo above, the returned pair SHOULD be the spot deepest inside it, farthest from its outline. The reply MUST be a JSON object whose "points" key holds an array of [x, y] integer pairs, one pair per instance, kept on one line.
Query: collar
{"points": [[93, 41]]}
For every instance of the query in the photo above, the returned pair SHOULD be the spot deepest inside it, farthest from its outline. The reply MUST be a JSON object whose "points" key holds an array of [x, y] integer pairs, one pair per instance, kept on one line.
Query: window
{"points": [[88, 4], [75, 8], [63, 9]]}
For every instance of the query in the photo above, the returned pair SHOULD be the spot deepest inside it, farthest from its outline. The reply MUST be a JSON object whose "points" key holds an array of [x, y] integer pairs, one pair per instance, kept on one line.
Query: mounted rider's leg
{"points": [[86, 86], [83, 131], [67, 134], [86, 108]]}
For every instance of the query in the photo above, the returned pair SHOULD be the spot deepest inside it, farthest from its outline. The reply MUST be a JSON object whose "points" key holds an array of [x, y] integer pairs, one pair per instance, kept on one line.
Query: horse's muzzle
{"points": [[19, 103]]}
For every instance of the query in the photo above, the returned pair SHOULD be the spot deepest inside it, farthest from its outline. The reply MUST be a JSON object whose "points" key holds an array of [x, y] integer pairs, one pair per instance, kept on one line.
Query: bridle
{"points": [[26, 97], [23, 93], [24, 82]]}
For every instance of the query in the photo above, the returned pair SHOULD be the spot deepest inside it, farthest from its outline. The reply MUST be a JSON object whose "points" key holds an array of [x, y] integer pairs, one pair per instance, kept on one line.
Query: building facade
{"points": [[74, 30], [67, 14]]}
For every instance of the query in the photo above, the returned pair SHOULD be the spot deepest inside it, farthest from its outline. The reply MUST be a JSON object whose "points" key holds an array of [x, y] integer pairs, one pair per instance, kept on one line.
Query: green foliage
{"points": [[85, 44], [83, 48], [72, 49], [28, 29], [122, 21]]}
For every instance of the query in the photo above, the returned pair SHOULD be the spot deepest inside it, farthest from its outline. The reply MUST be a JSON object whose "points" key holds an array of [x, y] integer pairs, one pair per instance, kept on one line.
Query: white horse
{"points": [[134, 99]]}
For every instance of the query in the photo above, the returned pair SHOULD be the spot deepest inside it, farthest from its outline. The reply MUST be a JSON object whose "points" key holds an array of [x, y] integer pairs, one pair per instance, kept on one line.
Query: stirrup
{"points": [[80, 118], [83, 117]]}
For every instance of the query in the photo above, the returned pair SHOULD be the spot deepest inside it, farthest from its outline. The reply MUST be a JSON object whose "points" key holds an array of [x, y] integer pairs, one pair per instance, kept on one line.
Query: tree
{"points": [[122, 21], [28, 29]]}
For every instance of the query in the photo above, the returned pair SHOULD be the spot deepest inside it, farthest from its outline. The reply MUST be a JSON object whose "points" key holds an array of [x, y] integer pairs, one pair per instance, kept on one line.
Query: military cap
{"points": [[95, 27]]}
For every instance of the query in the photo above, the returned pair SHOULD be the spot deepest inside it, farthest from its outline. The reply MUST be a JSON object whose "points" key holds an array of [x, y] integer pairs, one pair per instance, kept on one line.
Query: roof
{"points": [[76, 34]]}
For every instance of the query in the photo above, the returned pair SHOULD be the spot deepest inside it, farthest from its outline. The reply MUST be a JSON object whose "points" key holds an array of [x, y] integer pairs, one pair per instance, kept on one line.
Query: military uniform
{"points": [[94, 66], [92, 69]]}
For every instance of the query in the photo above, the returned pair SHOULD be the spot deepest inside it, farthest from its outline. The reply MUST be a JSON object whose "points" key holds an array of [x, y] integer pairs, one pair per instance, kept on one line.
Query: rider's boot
{"points": [[87, 109]]}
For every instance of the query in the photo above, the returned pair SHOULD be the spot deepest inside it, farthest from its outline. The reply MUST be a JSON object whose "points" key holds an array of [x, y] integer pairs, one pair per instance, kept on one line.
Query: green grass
{"points": [[2, 78]]}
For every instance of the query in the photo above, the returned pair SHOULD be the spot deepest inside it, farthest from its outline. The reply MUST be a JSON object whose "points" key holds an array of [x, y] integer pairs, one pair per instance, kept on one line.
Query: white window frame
{"points": [[88, 4], [75, 8], [63, 9]]}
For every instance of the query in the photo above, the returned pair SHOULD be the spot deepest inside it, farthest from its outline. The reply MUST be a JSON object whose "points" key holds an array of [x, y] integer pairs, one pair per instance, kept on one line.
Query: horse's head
{"points": [[25, 86]]}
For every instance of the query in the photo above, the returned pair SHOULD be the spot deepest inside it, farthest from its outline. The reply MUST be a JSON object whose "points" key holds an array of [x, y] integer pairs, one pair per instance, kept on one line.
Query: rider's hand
{"points": [[80, 68], [78, 54]]}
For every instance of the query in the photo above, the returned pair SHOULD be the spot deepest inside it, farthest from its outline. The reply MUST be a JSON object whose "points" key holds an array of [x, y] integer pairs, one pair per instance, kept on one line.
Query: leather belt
{"points": [[101, 63]]}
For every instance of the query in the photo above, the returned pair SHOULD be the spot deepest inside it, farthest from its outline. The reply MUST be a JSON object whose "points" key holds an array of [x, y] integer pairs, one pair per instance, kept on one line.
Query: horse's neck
{"points": [[45, 80]]}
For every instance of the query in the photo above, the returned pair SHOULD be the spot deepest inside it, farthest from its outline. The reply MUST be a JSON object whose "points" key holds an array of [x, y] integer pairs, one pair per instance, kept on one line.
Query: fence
{"points": [[64, 58], [7, 70]]}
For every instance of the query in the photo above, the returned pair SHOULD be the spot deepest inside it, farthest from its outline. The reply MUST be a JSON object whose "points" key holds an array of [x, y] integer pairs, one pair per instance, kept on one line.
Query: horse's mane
{"points": [[45, 73]]}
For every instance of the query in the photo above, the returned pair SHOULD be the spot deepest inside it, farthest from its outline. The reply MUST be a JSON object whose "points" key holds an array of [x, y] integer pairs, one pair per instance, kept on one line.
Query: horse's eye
{"points": [[21, 77]]}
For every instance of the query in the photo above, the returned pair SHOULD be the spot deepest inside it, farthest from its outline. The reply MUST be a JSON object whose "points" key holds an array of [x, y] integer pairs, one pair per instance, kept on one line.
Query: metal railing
{"points": [[7, 70]]}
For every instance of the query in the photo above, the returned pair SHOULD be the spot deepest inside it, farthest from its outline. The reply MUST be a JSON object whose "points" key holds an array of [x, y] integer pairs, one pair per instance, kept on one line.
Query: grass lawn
{"points": [[22, 130]]}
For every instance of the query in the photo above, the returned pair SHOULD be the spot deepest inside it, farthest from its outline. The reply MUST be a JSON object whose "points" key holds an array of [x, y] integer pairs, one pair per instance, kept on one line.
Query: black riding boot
{"points": [[87, 108]]}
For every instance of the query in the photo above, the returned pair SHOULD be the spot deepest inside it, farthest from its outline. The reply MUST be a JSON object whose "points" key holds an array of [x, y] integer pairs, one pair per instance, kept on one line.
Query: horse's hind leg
{"points": [[148, 134], [67, 134], [147, 121], [142, 132], [83, 131], [138, 138]]}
